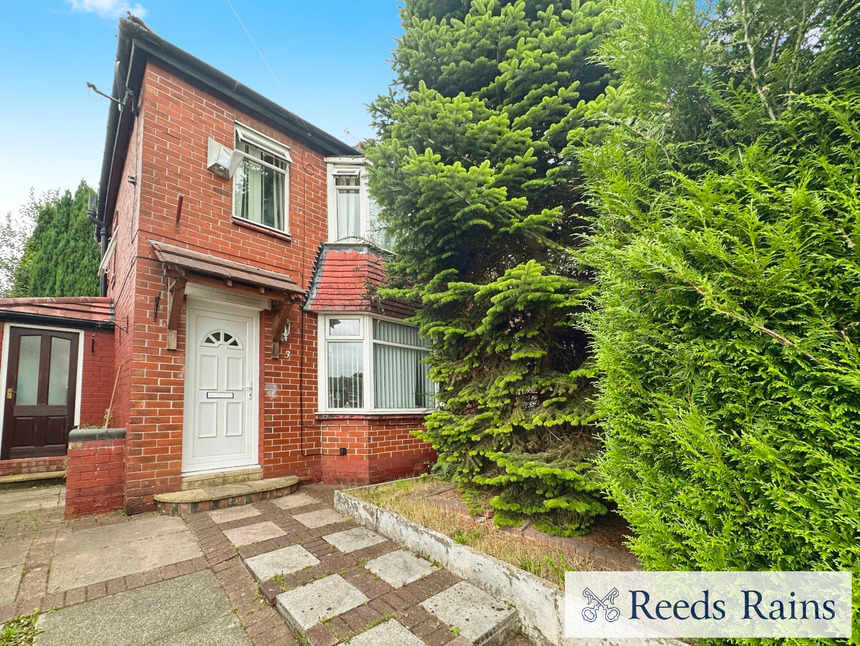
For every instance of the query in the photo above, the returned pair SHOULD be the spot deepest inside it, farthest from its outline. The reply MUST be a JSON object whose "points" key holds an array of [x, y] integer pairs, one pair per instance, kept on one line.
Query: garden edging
{"points": [[539, 603]]}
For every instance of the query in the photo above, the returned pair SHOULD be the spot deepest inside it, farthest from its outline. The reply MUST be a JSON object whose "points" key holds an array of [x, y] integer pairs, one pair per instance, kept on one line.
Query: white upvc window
{"points": [[261, 182], [372, 364], [352, 213]]}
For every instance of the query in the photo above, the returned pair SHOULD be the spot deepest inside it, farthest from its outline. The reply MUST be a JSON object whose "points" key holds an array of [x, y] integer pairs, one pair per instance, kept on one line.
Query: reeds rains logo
{"points": [[707, 604], [606, 604]]}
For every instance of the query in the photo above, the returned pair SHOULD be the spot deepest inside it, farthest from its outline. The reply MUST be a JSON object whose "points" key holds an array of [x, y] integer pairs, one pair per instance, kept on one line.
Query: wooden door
{"points": [[40, 392]]}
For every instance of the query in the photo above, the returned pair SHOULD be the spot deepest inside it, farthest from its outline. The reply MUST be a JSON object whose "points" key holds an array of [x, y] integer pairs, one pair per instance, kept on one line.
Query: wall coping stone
{"points": [[96, 434], [539, 603]]}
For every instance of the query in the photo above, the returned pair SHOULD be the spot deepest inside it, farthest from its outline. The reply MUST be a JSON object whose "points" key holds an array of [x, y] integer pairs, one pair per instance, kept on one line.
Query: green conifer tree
{"points": [[61, 258], [485, 209]]}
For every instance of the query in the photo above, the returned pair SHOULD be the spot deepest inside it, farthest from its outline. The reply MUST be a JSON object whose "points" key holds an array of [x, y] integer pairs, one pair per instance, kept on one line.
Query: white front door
{"points": [[220, 396]]}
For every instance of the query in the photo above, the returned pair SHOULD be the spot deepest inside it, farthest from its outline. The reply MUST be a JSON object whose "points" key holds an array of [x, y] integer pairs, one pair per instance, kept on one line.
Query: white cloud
{"points": [[107, 8]]}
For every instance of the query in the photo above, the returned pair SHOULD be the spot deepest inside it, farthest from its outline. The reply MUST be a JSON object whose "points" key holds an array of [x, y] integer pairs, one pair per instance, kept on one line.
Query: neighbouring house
{"points": [[238, 331]]}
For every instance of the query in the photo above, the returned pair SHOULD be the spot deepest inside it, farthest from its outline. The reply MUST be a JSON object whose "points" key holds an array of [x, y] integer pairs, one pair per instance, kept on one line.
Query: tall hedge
{"points": [[727, 322]]}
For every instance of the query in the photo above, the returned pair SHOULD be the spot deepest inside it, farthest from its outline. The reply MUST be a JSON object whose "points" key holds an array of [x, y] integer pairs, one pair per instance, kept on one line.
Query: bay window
{"points": [[372, 364], [344, 362], [261, 181]]}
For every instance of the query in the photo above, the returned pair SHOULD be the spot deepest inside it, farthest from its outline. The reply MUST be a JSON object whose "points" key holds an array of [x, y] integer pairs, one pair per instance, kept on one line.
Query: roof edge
{"points": [[136, 43], [48, 320]]}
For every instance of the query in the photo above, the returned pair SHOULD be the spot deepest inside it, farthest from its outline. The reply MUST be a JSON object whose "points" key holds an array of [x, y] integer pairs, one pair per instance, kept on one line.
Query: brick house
{"points": [[240, 259]]}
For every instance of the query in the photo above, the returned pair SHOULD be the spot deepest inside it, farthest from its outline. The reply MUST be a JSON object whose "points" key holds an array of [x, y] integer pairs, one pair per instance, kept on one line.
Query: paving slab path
{"points": [[285, 571]]}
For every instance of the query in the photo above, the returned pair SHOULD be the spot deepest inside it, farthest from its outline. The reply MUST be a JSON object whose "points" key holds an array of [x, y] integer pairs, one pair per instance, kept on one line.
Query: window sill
{"points": [[262, 228], [352, 242], [373, 413]]}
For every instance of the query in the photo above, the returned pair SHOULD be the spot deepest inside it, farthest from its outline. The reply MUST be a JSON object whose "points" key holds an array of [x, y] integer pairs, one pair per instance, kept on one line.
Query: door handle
{"points": [[10, 393]]}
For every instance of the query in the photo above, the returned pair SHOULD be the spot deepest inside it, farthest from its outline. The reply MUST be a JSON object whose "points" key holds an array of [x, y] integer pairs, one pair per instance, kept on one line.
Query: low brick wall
{"points": [[95, 471], [377, 448], [32, 465]]}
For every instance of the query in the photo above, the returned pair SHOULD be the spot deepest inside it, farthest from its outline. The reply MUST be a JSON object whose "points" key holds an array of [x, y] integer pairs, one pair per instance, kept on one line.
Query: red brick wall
{"points": [[32, 465], [377, 448], [98, 376], [290, 434], [168, 156], [95, 474], [122, 284]]}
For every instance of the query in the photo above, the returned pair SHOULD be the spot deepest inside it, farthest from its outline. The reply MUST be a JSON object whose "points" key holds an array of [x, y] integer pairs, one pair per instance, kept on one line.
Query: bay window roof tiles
{"points": [[347, 279]]}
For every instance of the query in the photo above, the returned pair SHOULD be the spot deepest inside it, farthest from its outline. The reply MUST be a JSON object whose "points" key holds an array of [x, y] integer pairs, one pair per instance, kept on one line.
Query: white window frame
{"points": [[348, 166], [257, 139], [366, 322]]}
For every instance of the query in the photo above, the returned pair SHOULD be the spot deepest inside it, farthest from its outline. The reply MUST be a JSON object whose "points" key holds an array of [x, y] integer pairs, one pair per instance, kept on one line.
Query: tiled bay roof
{"points": [[346, 279]]}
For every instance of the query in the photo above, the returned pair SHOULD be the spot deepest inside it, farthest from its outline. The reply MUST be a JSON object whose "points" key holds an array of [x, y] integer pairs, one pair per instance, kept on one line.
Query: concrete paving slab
{"points": [[16, 501], [103, 553], [10, 579], [284, 561], [253, 533], [400, 567], [389, 633], [13, 552], [306, 606], [353, 540], [482, 620], [233, 513], [137, 528], [295, 500], [321, 518], [29, 524], [187, 610], [223, 631]]}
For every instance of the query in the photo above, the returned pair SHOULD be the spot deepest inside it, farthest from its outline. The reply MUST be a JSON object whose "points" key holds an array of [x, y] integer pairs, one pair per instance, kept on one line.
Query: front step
{"points": [[191, 501], [209, 480], [26, 479]]}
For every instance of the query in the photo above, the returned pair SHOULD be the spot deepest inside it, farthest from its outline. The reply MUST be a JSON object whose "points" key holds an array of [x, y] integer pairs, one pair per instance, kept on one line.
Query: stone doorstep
{"points": [[222, 496], [208, 480]]}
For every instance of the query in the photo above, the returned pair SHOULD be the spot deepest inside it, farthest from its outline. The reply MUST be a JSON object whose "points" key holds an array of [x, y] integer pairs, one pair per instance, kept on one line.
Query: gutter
{"points": [[117, 136], [49, 320]]}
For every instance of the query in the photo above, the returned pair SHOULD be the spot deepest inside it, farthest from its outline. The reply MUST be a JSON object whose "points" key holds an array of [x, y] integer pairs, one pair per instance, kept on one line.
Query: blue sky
{"points": [[330, 56]]}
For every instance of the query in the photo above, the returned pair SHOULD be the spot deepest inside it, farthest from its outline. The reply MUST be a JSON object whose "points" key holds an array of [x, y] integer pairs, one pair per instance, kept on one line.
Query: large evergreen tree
{"points": [[469, 171], [61, 257]]}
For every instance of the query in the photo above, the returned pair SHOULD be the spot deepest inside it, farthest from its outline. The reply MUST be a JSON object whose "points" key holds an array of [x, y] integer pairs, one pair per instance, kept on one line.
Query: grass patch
{"points": [[466, 538], [409, 499], [281, 582], [20, 630]]}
